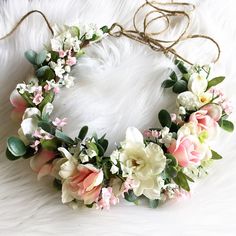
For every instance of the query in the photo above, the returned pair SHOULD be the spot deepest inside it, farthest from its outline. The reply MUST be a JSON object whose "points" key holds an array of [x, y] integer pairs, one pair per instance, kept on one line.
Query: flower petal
{"points": [[134, 135]]}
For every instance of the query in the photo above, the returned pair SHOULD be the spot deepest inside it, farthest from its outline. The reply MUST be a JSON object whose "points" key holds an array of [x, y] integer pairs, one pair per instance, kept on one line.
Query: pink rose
{"points": [[206, 119], [41, 164], [18, 101], [187, 150], [85, 184]]}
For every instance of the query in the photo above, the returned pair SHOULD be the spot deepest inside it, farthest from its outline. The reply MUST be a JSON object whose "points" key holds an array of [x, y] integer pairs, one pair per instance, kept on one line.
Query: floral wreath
{"points": [[157, 164]]}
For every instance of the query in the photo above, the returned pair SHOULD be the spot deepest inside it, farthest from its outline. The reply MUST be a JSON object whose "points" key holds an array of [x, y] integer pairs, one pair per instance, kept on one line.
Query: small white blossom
{"points": [[182, 110], [68, 81], [114, 169], [188, 100]]}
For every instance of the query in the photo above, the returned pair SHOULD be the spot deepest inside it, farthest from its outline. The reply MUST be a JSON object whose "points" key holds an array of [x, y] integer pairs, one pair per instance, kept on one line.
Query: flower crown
{"points": [[158, 164]]}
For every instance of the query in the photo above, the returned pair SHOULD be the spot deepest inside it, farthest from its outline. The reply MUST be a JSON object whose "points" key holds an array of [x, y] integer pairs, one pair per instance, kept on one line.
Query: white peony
{"points": [[142, 164]]}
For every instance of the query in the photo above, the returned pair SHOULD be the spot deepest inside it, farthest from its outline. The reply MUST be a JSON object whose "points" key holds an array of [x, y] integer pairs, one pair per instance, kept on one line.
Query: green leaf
{"points": [[130, 196], [226, 125], [93, 146], [31, 56], [10, 156], [104, 143], [83, 132], [46, 126], [48, 74], [57, 184], [63, 137], [105, 29], [215, 155], [101, 150], [16, 146], [180, 86], [49, 144], [173, 76], [164, 118], [47, 99], [167, 83], [215, 81], [29, 152], [41, 57], [171, 171], [75, 31], [181, 66], [41, 71], [181, 180], [153, 203], [54, 56], [172, 158]]}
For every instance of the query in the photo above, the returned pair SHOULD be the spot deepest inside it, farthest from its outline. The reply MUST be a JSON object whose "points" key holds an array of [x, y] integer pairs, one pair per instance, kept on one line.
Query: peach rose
{"points": [[84, 184], [41, 164], [188, 150]]}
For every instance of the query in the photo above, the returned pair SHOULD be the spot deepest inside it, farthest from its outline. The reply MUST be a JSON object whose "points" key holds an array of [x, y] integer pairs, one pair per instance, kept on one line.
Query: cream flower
{"points": [[197, 83], [142, 164], [188, 100]]}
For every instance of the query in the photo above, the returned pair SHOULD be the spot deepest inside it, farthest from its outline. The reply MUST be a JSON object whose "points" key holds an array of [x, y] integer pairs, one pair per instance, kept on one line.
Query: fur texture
{"points": [[117, 85]]}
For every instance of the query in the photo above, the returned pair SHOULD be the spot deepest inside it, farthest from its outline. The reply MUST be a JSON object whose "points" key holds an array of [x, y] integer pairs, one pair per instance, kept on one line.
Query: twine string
{"points": [[163, 14], [23, 18], [159, 11]]}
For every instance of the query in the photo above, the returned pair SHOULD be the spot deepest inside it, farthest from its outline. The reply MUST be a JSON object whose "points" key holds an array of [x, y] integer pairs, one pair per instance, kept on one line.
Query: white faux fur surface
{"points": [[117, 85]]}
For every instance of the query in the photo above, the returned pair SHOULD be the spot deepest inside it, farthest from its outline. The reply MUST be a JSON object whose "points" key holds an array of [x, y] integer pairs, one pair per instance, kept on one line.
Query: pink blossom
{"points": [[173, 117], [56, 90], [71, 61], [38, 98], [85, 184], [35, 145], [108, 198], [127, 185], [62, 53], [187, 150], [40, 133], [60, 122]]}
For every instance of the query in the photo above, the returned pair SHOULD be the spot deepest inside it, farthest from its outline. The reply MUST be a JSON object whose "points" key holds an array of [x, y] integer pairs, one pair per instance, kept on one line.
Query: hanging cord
{"points": [[23, 18], [159, 12], [143, 36]]}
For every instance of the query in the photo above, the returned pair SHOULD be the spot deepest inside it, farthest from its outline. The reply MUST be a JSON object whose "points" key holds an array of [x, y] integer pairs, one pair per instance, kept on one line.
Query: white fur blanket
{"points": [[118, 85]]}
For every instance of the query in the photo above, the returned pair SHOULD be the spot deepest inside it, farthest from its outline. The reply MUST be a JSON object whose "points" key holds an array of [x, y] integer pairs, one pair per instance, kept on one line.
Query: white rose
{"points": [[188, 100], [142, 164], [197, 83]]}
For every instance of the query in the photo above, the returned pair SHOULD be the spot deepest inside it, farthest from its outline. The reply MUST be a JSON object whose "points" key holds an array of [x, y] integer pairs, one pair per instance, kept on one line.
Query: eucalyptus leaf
{"points": [[153, 203], [46, 126], [31, 56], [41, 57], [10, 156], [130, 196], [215, 81], [164, 118], [16, 146], [41, 71], [63, 137], [171, 171]]}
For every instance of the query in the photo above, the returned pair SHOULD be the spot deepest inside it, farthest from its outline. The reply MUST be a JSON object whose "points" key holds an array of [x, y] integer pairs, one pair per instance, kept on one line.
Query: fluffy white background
{"points": [[118, 85]]}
